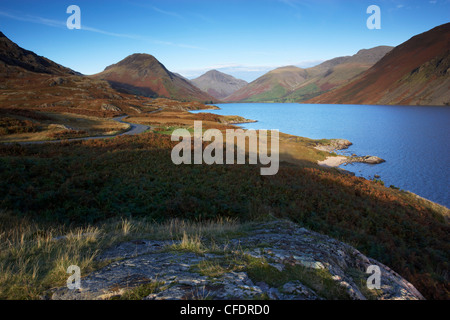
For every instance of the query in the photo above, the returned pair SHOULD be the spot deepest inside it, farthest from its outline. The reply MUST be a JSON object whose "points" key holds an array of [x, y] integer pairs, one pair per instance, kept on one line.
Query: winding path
{"points": [[133, 130]]}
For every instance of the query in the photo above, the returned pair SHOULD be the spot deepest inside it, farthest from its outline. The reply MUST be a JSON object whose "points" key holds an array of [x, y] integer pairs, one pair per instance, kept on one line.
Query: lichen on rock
{"points": [[274, 260]]}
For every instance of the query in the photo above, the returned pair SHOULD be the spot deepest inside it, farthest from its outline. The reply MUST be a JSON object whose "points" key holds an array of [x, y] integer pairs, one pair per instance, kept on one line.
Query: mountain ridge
{"points": [[415, 72], [294, 84]]}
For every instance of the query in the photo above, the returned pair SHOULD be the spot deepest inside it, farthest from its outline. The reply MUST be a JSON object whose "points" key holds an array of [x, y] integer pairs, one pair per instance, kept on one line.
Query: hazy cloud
{"points": [[34, 19], [167, 13]]}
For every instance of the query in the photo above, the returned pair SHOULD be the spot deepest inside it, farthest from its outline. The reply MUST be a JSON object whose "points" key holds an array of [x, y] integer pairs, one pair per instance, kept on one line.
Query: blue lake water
{"points": [[413, 140]]}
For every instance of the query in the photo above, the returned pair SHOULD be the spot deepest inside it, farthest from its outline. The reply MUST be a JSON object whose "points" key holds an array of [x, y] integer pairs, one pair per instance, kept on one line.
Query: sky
{"points": [[244, 38]]}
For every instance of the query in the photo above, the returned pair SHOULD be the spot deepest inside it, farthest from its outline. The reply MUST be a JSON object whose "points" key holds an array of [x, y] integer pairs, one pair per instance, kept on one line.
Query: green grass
{"points": [[259, 270], [212, 268], [189, 244], [360, 279], [141, 291], [170, 129], [304, 93], [276, 92], [34, 256]]}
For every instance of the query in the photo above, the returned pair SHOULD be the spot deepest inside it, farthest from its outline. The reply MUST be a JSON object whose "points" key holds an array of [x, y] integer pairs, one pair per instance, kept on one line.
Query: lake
{"points": [[414, 140]]}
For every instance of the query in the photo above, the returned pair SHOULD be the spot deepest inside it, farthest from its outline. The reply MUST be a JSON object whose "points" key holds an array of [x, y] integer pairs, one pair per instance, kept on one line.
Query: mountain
{"points": [[30, 81], [15, 59], [293, 84], [218, 84], [273, 85], [415, 72], [143, 74]]}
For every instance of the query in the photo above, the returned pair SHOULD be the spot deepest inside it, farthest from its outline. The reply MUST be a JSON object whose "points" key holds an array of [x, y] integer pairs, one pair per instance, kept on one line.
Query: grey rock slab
{"points": [[278, 243]]}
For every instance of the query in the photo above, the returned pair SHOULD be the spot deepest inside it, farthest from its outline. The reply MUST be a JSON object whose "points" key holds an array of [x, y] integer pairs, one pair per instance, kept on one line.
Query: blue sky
{"points": [[245, 38]]}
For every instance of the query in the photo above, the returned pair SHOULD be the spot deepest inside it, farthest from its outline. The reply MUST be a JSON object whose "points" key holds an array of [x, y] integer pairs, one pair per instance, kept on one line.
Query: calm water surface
{"points": [[414, 141]]}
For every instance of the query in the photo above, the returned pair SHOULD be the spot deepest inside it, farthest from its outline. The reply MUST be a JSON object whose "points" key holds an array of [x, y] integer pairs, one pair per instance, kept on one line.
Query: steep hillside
{"points": [[273, 85], [143, 74], [218, 84], [414, 73], [33, 83], [292, 84], [14, 59]]}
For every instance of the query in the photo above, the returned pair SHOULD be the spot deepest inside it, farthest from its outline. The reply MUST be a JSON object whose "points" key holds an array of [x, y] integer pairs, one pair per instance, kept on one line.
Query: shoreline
{"points": [[336, 161], [332, 162]]}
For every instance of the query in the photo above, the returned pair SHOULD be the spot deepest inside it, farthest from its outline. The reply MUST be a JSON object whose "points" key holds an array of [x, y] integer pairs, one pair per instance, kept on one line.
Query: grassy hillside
{"points": [[293, 84], [271, 86], [413, 73], [87, 183]]}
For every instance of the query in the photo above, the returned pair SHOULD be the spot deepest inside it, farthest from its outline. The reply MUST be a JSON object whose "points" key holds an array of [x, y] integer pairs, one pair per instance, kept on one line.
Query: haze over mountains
{"points": [[294, 84], [218, 84]]}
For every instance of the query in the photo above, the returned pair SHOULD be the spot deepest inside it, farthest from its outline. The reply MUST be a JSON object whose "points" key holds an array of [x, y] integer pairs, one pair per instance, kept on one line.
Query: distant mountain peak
{"points": [[218, 84], [139, 57], [288, 67], [139, 61]]}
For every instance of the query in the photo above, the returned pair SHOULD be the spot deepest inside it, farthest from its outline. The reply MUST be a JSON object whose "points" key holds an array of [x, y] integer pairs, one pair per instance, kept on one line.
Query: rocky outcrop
{"points": [[340, 144], [110, 107], [365, 159], [334, 145], [275, 260], [59, 126], [235, 120]]}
